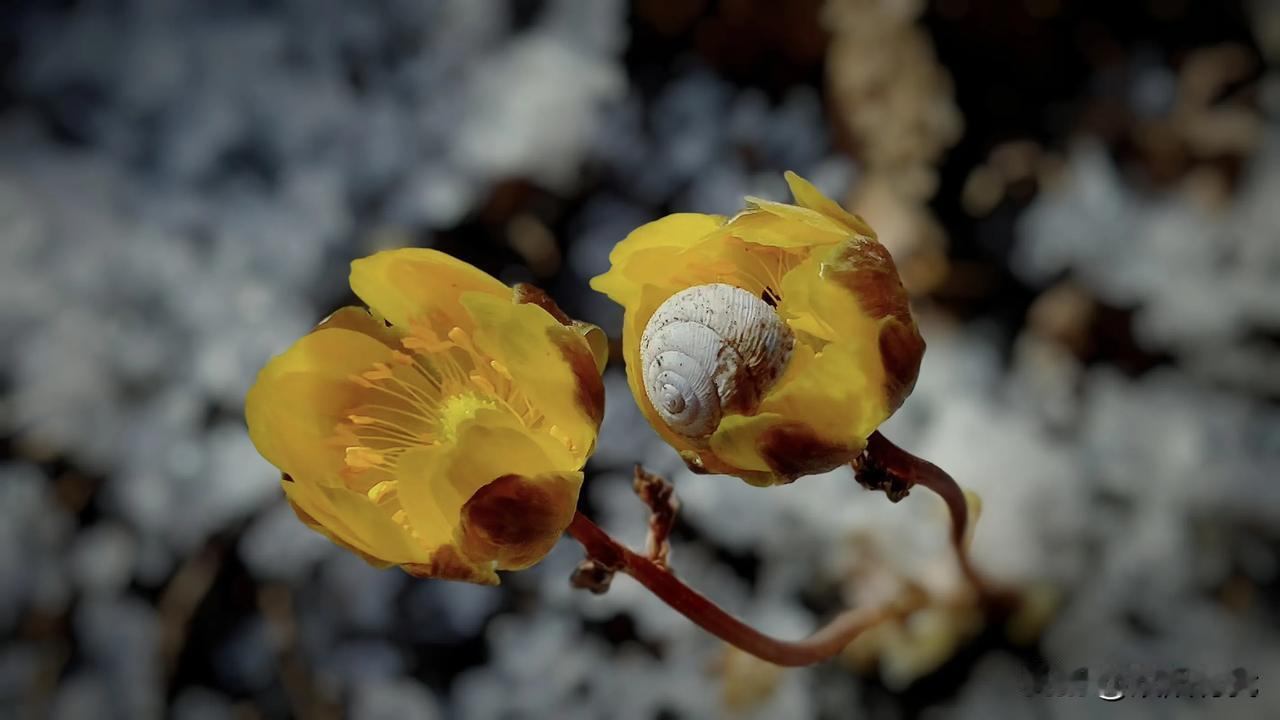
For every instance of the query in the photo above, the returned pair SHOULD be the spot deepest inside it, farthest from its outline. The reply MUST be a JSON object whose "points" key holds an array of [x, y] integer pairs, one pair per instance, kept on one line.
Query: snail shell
{"points": [[708, 350]]}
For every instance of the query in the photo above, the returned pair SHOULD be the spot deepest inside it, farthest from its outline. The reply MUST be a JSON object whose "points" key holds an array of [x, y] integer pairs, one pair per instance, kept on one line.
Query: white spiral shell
{"points": [[708, 350]]}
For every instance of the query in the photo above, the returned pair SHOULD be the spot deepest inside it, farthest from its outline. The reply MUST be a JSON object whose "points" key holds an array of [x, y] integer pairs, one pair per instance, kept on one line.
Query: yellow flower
{"points": [[445, 429], [856, 348]]}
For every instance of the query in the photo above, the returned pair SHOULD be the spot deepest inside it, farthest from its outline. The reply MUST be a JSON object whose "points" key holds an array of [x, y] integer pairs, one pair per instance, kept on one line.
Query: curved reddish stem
{"points": [[822, 644], [882, 466], [895, 470]]}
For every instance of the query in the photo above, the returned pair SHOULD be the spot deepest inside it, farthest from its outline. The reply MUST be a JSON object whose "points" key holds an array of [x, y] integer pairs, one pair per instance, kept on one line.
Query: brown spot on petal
{"points": [[796, 450], [574, 350], [867, 270], [901, 350], [508, 511], [515, 520], [524, 293], [447, 563]]}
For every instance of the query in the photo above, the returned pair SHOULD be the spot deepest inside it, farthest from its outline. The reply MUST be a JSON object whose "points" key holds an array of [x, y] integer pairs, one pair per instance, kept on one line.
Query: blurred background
{"points": [[1083, 198]]}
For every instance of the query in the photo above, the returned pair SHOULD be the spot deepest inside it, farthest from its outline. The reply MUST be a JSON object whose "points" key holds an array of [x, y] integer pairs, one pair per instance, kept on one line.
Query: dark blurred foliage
{"points": [[1041, 72]]}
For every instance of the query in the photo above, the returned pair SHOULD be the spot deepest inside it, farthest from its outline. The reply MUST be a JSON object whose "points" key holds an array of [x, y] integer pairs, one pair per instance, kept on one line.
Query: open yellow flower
{"points": [[853, 347], [445, 429]]}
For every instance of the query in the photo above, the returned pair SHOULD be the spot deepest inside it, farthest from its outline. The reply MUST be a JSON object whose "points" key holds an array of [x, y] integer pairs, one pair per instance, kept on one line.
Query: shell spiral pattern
{"points": [[709, 350]]}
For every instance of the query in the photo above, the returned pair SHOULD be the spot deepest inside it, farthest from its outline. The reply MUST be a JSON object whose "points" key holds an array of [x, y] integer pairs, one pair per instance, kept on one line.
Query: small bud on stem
{"points": [[660, 497]]}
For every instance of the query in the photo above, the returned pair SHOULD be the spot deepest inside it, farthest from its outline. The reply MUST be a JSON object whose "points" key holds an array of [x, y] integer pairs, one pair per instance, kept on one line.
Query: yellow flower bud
{"points": [[443, 430], [850, 357]]}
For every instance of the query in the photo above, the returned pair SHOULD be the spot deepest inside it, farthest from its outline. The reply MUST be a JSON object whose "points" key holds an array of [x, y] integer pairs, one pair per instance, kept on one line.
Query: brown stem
{"points": [[885, 466], [822, 644]]}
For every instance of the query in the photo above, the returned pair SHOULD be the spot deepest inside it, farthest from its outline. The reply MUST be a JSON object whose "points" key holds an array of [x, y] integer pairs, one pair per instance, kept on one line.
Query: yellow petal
{"points": [[812, 303], [837, 391], [769, 449], [801, 226], [628, 267], [416, 285], [352, 520], [334, 536], [299, 396], [736, 441], [815, 419], [806, 195], [362, 321], [437, 482], [549, 362], [678, 230], [597, 342], [862, 271], [591, 352]]}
